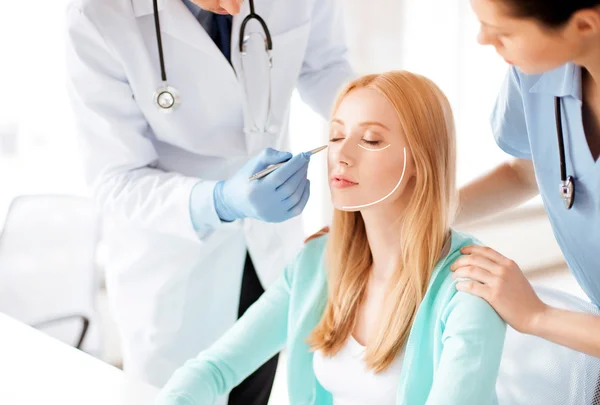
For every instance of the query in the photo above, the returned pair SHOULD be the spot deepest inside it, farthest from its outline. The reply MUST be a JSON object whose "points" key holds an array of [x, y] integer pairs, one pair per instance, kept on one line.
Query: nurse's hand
{"points": [[276, 197], [500, 282]]}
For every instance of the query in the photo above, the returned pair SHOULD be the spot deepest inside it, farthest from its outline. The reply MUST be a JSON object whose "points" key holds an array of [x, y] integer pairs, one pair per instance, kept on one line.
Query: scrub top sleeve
{"points": [[508, 118]]}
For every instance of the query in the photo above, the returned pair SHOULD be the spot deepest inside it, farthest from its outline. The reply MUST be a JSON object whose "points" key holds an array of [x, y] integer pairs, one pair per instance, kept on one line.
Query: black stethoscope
{"points": [[567, 183], [167, 97]]}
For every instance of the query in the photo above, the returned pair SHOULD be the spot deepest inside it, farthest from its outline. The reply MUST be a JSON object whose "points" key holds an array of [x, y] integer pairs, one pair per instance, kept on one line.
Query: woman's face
{"points": [[366, 155], [525, 43]]}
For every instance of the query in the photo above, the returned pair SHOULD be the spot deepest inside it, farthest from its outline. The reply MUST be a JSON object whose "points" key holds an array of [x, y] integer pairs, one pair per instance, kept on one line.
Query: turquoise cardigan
{"points": [[452, 354]]}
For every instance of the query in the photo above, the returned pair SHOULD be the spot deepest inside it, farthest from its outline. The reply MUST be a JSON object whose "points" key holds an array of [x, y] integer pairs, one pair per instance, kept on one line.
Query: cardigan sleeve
{"points": [[473, 340], [256, 337]]}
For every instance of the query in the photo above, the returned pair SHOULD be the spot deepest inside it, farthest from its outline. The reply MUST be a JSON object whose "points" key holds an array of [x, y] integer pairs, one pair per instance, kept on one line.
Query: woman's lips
{"points": [[340, 182]]}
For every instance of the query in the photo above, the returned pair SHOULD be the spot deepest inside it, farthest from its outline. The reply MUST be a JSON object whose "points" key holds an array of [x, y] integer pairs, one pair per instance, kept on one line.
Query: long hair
{"points": [[426, 120]]}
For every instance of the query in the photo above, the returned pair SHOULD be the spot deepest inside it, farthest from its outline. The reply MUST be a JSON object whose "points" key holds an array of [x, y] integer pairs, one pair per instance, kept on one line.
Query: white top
{"points": [[345, 376], [38, 369]]}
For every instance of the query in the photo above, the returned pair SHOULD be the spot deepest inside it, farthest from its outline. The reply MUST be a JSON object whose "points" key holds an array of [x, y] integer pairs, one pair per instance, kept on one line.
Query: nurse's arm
{"points": [[578, 331], [503, 285], [507, 186]]}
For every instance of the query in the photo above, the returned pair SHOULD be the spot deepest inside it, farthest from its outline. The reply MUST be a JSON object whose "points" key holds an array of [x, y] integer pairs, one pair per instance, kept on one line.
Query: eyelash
{"points": [[371, 143]]}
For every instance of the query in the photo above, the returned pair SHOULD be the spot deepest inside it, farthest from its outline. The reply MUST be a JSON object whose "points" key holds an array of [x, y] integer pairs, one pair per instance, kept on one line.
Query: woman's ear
{"points": [[322, 232]]}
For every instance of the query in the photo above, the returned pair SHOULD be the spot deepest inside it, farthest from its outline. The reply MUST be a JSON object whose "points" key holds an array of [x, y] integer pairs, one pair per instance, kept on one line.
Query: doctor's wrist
{"points": [[223, 211]]}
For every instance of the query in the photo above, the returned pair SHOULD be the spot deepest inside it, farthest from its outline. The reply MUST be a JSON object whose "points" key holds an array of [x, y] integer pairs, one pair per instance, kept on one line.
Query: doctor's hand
{"points": [[276, 197], [502, 284]]}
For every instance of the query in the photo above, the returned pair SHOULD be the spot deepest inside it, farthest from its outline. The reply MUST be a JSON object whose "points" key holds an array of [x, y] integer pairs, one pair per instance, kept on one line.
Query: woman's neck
{"points": [[383, 233]]}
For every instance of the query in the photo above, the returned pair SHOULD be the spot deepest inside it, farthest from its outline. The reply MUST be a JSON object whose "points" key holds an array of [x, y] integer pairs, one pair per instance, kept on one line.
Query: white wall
{"points": [[44, 158], [432, 37]]}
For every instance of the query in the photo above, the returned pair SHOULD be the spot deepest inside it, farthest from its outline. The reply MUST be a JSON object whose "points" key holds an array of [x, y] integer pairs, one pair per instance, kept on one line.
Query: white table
{"points": [[36, 370]]}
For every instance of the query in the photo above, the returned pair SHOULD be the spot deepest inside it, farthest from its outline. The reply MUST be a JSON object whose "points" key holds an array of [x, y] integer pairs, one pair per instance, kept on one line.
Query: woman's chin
{"points": [[345, 206]]}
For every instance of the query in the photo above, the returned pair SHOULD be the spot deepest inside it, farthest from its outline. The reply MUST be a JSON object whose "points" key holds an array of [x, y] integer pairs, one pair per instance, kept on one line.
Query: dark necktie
{"points": [[221, 31]]}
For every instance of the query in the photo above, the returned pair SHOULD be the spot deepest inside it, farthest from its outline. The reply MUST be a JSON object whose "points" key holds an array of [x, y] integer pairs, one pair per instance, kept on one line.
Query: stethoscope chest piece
{"points": [[567, 192], [167, 98]]}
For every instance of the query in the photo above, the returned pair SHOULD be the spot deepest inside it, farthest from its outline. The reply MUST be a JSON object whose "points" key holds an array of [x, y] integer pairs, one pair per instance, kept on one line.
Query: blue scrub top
{"points": [[524, 126]]}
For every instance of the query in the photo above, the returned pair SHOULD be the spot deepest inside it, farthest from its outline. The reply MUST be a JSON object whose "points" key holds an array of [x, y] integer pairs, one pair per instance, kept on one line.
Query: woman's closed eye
{"points": [[336, 136], [371, 143]]}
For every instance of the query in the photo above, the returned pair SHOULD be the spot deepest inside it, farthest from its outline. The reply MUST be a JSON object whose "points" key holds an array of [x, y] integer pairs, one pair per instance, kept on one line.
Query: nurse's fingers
{"points": [[488, 253], [475, 288], [474, 273], [282, 174], [476, 260], [231, 6], [298, 208]]}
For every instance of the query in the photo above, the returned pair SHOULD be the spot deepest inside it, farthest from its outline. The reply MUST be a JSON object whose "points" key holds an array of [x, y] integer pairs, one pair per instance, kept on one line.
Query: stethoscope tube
{"points": [[161, 58], [254, 16], [167, 98], [567, 183]]}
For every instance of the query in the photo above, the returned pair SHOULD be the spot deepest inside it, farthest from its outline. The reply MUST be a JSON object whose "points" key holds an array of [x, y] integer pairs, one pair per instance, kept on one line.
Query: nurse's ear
{"points": [[586, 22]]}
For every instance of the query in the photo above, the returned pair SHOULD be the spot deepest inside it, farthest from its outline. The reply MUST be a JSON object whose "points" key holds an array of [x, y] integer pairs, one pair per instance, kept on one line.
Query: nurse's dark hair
{"points": [[552, 13]]}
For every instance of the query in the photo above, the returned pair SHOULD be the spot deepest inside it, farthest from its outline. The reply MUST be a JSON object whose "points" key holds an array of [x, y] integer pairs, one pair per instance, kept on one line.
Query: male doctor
{"points": [[192, 241]]}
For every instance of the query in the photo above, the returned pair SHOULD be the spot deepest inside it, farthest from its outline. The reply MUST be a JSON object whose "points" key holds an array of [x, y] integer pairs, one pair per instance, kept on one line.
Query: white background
{"points": [[437, 38]]}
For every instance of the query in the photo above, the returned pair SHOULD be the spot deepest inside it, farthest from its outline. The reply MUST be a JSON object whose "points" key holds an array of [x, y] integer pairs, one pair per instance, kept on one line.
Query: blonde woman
{"points": [[369, 312]]}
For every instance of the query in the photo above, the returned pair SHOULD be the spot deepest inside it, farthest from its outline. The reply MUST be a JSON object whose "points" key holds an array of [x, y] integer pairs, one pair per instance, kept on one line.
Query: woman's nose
{"points": [[346, 150]]}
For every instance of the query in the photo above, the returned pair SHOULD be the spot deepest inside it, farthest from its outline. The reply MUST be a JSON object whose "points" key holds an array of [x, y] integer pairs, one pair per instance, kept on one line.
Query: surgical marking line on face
{"points": [[375, 150], [391, 192]]}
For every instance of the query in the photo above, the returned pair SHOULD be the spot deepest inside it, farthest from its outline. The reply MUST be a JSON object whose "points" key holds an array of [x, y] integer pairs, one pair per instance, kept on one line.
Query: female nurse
{"points": [[547, 116]]}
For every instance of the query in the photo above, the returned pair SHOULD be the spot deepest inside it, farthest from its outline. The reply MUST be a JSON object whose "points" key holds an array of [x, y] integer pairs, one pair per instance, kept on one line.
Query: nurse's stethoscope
{"points": [[167, 97], [567, 183]]}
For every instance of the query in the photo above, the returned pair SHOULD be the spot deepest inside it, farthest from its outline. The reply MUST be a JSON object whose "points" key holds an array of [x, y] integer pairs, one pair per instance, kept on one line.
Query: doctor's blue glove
{"points": [[277, 197]]}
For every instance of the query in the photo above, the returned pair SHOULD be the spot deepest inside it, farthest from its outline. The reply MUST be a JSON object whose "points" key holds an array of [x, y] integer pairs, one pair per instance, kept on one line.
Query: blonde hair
{"points": [[426, 120]]}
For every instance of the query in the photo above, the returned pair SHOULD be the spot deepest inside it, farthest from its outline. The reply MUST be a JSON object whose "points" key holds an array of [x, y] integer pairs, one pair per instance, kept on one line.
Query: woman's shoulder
{"points": [[442, 288], [310, 261], [448, 299], [452, 249]]}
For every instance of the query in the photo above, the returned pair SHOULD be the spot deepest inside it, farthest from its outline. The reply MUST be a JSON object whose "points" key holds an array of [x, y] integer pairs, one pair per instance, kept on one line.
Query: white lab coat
{"points": [[173, 290]]}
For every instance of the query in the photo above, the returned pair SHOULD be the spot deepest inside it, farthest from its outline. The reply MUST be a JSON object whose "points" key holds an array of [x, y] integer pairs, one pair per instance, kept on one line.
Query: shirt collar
{"points": [[560, 82], [193, 7]]}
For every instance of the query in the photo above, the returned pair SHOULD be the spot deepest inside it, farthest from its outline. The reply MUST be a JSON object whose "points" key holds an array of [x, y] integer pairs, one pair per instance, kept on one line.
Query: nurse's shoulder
{"points": [[518, 93]]}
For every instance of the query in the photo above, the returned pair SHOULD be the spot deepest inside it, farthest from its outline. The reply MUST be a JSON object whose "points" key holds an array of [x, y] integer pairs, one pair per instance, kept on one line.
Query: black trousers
{"points": [[256, 389]]}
